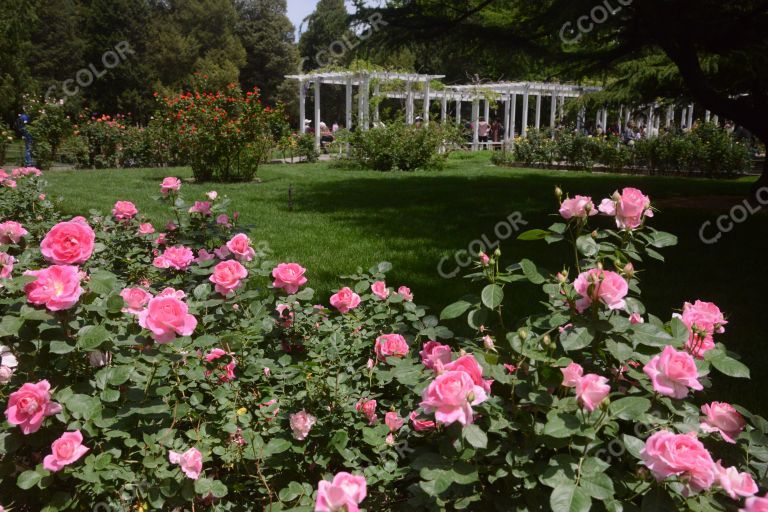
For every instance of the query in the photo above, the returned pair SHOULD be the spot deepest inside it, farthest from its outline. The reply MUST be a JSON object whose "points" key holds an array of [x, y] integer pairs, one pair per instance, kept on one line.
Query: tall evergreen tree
{"points": [[327, 24]]}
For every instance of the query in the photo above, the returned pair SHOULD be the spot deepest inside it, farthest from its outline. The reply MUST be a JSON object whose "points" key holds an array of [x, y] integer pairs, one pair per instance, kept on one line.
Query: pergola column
{"points": [[458, 111], [348, 105], [598, 118], [443, 108], [513, 117], [487, 110], [475, 127], [506, 118], [524, 128], [377, 95], [690, 116], [426, 102], [302, 106], [363, 93], [580, 118], [716, 120], [318, 81], [621, 113], [683, 118], [537, 121], [670, 116], [605, 119], [408, 103], [553, 112], [707, 116], [649, 124], [562, 106]]}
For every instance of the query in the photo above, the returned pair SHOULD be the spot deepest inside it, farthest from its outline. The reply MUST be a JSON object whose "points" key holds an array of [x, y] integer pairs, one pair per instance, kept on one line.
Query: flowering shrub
{"points": [[6, 139], [151, 368], [49, 126]]}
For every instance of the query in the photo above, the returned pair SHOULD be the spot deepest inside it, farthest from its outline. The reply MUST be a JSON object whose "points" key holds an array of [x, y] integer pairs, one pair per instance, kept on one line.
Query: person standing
{"points": [[482, 131], [21, 124]]}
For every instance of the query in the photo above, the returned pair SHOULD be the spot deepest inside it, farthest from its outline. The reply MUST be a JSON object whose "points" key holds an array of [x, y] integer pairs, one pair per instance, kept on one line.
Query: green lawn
{"points": [[343, 219]]}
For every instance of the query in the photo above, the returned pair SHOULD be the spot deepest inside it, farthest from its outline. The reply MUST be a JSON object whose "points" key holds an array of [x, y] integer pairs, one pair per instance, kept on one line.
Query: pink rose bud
{"points": [[572, 375], [488, 343], [591, 390], [267, 371]]}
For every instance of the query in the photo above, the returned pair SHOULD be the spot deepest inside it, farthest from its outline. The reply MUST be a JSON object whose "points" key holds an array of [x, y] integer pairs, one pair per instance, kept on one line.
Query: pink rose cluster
{"points": [[177, 257], [630, 208], [591, 389], [368, 409], [704, 320], [6, 265], [597, 285], [344, 493], [578, 207], [167, 316]]}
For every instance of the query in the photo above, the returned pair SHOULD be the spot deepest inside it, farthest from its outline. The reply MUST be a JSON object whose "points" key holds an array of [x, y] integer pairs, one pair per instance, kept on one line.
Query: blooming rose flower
{"points": [[630, 208], [672, 372], [9, 183], [124, 210], [29, 405], [223, 220], [393, 421], [755, 504], [64, 451], [212, 195], [301, 423], [368, 408], [68, 243], [6, 374], [289, 277], [390, 345], [146, 228], [344, 493], [722, 417], [161, 239], [735, 484], [435, 355], [166, 316], [6, 265], [214, 354], [578, 207], [345, 300], [57, 287], [178, 257], [240, 246], [469, 365], [592, 389], [572, 375], [405, 293], [201, 207], [227, 276], [667, 454], [135, 300], [703, 320], [8, 363], [170, 184], [451, 397], [420, 425], [191, 462], [379, 289], [11, 232], [604, 286]]}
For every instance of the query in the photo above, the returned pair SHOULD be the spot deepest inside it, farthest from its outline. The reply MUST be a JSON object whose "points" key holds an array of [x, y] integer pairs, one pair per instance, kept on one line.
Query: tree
{"points": [[328, 24], [718, 49], [16, 20]]}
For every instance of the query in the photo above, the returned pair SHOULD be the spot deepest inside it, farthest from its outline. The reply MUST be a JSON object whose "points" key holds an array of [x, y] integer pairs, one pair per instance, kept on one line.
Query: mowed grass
{"points": [[341, 219]]}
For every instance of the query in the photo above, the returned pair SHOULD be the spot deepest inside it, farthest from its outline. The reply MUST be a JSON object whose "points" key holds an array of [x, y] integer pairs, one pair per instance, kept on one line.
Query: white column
{"points": [[506, 118], [716, 120], [690, 116], [348, 105], [553, 112], [513, 117], [649, 123], [524, 128], [581, 118], [443, 108], [487, 111], [627, 115], [362, 103], [458, 111], [670, 116], [598, 119], [475, 116], [683, 118], [377, 95], [605, 120], [302, 106], [408, 104], [426, 102], [537, 121], [317, 112], [707, 116], [621, 114], [562, 107]]}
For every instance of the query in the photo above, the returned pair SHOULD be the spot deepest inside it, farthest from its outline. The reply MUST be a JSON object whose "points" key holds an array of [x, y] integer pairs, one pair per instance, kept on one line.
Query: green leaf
{"points": [[492, 296], [60, 347], [202, 291], [576, 339], [531, 272], [651, 335], [91, 336], [533, 234], [102, 282], [629, 408], [119, 374], [656, 500], [598, 485], [10, 325], [633, 445], [455, 310], [275, 446], [661, 239], [569, 498], [475, 436], [29, 479], [587, 245], [561, 425], [731, 367]]}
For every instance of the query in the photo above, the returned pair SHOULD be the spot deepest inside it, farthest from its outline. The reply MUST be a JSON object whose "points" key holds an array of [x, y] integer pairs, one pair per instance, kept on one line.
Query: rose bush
{"points": [[215, 379]]}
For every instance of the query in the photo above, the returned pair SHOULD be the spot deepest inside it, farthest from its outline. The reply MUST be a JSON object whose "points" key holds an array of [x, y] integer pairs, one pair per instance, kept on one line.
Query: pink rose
{"points": [[289, 277], [630, 208], [405, 293], [345, 300], [68, 243], [722, 417], [285, 314], [579, 207], [240, 246], [124, 210], [735, 484], [229, 371], [57, 287], [484, 259], [11, 232], [301, 423], [9, 183], [471, 367], [203, 256], [420, 425], [672, 372], [166, 316], [212, 195], [393, 421], [572, 375], [29, 406], [227, 276], [667, 454], [390, 345], [191, 461], [756, 504], [636, 318], [64, 451], [592, 389], [223, 220], [703, 320], [170, 184], [146, 228], [344, 493], [201, 207], [135, 300], [435, 355], [6, 265], [379, 289], [451, 396], [177, 257], [368, 409], [214, 354], [604, 286]]}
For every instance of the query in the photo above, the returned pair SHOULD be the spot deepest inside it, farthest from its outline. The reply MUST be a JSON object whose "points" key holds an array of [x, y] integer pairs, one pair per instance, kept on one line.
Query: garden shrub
{"points": [[184, 370], [49, 126], [6, 139]]}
